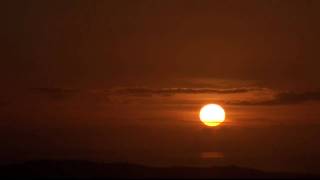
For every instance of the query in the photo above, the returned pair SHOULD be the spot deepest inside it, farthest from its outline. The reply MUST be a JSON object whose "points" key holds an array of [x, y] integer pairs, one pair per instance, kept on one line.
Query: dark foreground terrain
{"points": [[85, 169]]}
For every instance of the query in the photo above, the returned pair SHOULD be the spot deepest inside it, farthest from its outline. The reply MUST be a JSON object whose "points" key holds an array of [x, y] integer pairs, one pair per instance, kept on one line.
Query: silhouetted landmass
{"points": [[86, 169]]}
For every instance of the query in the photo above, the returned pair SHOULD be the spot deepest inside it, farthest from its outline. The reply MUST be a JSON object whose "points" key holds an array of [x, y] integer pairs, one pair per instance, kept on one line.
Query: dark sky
{"points": [[124, 81]]}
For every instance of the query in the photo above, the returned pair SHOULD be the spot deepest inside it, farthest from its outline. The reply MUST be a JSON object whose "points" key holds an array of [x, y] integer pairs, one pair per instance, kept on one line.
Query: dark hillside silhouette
{"points": [[87, 169]]}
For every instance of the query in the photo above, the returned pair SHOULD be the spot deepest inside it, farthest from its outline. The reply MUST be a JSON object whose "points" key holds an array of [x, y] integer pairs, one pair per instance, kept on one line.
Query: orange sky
{"points": [[125, 80]]}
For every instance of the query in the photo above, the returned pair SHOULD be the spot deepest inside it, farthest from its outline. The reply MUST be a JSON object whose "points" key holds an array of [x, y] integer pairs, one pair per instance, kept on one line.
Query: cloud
{"points": [[284, 98], [112, 94], [141, 91]]}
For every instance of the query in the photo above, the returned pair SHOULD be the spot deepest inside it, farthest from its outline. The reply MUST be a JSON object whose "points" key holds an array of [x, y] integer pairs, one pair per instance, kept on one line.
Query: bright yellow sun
{"points": [[212, 114]]}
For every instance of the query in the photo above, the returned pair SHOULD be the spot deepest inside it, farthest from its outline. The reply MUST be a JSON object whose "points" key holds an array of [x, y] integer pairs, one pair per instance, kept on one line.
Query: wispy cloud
{"points": [[147, 91], [125, 94], [173, 91], [284, 98], [280, 98]]}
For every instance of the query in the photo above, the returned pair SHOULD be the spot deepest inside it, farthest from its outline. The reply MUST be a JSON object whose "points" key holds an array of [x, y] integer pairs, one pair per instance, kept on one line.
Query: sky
{"points": [[123, 81]]}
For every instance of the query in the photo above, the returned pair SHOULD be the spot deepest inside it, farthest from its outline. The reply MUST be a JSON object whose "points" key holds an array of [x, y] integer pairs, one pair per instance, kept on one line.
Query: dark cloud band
{"points": [[284, 98], [173, 91]]}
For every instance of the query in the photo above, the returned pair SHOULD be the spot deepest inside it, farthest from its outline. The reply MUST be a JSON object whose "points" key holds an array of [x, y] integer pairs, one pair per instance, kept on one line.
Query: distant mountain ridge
{"points": [[90, 169]]}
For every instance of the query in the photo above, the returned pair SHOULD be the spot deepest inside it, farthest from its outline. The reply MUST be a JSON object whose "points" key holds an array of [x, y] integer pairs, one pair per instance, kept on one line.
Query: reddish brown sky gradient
{"points": [[124, 81]]}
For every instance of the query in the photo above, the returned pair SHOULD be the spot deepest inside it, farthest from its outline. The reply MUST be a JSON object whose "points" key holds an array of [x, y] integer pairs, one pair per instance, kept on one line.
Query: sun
{"points": [[212, 114]]}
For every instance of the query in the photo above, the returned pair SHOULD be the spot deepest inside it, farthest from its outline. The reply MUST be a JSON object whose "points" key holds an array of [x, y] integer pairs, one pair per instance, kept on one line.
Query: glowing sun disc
{"points": [[212, 114]]}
